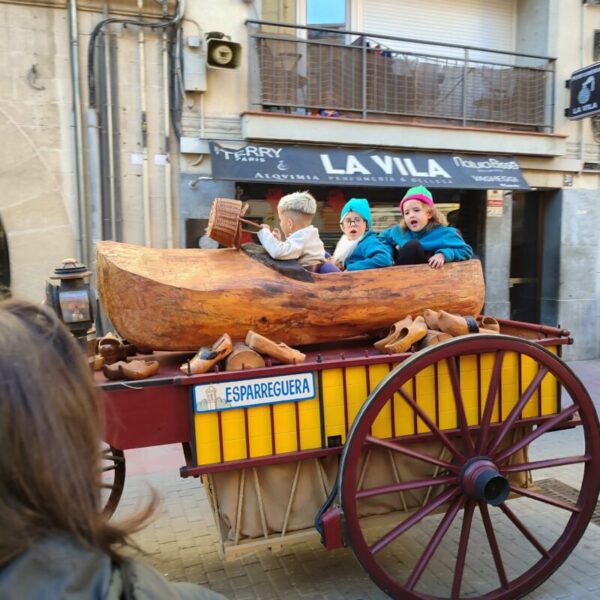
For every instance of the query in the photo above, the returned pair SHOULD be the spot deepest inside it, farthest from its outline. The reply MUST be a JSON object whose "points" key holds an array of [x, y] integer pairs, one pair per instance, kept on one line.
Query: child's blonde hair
{"points": [[300, 202], [299, 206]]}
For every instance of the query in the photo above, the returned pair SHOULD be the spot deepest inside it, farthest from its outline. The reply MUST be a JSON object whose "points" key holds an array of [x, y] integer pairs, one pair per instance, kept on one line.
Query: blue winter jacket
{"points": [[443, 239], [370, 253]]}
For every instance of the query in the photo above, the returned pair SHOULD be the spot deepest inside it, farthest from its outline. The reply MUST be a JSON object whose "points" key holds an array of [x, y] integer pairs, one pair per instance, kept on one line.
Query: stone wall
{"points": [[35, 149]]}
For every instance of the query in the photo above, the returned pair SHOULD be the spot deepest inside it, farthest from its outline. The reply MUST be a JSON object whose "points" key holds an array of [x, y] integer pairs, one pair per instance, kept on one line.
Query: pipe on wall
{"points": [[146, 209], [167, 141], [94, 165], [82, 230], [580, 128], [109, 133]]}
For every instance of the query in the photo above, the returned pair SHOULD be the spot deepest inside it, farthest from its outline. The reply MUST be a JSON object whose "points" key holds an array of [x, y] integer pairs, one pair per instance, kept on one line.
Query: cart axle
{"points": [[481, 480]]}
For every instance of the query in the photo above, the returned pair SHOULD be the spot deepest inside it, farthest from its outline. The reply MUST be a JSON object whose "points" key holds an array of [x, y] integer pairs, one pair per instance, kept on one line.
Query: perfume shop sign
{"points": [[355, 167]]}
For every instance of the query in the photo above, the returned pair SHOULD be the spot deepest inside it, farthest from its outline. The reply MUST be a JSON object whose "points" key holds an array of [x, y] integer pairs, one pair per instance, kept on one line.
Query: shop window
{"points": [[4, 260]]}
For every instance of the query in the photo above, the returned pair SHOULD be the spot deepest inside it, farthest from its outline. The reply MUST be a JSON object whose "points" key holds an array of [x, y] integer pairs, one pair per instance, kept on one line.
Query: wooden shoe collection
{"points": [[432, 328], [112, 357]]}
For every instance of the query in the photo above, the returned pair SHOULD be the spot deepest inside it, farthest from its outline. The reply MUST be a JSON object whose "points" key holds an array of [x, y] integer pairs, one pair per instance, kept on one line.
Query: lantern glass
{"points": [[75, 306]]}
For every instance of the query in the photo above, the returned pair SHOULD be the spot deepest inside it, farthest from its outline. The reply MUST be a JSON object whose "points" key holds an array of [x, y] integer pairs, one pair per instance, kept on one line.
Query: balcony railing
{"points": [[309, 70]]}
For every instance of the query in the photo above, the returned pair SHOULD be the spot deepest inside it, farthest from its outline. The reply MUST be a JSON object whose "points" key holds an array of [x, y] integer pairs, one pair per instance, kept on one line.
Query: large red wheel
{"points": [[479, 527]]}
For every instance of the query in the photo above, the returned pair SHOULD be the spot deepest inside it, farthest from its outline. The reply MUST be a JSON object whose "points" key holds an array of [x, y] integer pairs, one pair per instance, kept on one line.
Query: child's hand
{"points": [[276, 233], [340, 265], [437, 260]]}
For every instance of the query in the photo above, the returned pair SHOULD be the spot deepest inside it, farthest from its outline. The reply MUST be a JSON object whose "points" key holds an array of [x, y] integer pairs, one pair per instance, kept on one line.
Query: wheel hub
{"points": [[481, 480]]}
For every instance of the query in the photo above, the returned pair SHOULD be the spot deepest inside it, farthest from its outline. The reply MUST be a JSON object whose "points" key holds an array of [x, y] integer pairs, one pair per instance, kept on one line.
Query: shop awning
{"points": [[306, 165]]}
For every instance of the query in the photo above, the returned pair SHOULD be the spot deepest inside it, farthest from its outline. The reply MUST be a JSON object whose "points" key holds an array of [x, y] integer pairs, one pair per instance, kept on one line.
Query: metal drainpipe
{"points": [[82, 234], [167, 133], [109, 131], [580, 128], [144, 126]]}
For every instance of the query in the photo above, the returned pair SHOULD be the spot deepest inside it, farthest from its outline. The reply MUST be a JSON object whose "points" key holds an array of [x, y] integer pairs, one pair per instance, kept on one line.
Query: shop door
{"points": [[524, 279]]}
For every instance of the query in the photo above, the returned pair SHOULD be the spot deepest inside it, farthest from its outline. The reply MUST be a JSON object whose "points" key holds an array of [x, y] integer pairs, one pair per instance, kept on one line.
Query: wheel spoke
{"points": [[493, 542], [417, 516], [460, 405], [432, 426], [544, 464], [536, 433], [489, 403], [521, 527], [462, 548], [412, 453], [545, 499], [517, 408], [110, 455], [434, 543], [407, 485]]}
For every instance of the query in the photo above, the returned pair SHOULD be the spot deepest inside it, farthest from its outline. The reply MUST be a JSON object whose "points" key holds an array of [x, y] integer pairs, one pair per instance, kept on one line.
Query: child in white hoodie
{"points": [[302, 242]]}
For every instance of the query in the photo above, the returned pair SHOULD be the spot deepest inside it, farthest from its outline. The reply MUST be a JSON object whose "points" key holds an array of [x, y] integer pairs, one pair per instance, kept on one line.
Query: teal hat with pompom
{"points": [[359, 206]]}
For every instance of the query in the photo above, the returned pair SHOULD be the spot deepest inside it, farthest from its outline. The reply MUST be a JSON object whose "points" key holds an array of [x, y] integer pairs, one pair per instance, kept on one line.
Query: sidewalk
{"points": [[181, 542]]}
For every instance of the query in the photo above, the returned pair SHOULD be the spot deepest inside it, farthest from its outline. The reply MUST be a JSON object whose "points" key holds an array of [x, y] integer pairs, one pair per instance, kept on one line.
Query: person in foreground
{"points": [[424, 236], [359, 248], [55, 541]]}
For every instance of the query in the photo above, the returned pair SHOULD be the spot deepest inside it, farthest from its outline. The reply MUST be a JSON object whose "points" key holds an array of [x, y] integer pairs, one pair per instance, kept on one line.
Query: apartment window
{"points": [[331, 15], [326, 14]]}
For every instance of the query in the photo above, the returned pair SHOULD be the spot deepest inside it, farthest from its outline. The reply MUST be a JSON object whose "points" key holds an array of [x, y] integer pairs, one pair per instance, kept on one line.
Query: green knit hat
{"points": [[420, 193]]}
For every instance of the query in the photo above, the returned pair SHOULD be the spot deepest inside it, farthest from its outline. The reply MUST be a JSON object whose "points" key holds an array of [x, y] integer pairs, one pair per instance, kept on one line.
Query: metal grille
{"points": [[561, 491], [365, 79]]}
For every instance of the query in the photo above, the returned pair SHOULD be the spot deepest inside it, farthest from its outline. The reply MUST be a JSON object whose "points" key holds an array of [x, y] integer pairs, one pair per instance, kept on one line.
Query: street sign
{"points": [[585, 92]]}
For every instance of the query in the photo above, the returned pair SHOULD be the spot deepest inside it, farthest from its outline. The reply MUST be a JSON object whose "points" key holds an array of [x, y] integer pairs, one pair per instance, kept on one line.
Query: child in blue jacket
{"points": [[424, 236], [359, 248]]}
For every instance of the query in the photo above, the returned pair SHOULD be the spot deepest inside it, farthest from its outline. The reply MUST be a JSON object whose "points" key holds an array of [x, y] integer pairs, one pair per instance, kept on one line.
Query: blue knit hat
{"points": [[359, 206]]}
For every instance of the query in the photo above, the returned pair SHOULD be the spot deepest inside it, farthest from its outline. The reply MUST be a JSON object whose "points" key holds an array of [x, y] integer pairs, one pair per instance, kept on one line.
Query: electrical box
{"points": [[194, 65]]}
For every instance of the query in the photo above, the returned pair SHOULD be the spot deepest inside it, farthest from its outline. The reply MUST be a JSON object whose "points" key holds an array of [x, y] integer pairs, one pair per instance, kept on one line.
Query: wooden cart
{"points": [[410, 459]]}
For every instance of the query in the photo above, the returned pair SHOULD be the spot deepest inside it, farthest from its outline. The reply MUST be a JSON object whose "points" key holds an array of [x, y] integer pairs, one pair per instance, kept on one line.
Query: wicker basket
{"points": [[224, 222]]}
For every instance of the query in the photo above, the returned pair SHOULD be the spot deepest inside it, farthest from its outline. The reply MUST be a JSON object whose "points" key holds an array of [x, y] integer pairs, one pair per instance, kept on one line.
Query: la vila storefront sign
{"points": [[318, 166]]}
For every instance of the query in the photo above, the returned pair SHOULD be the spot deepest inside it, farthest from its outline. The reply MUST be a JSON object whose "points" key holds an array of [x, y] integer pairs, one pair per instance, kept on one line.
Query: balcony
{"points": [[325, 72]]}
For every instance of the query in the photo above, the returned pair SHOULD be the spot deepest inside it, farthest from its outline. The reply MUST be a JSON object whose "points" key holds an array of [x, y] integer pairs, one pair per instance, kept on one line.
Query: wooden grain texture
{"points": [[181, 299], [242, 357]]}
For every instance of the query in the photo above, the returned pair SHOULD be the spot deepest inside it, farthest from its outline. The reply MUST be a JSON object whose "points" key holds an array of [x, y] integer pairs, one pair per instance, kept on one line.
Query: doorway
{"points": [[526, 242]]}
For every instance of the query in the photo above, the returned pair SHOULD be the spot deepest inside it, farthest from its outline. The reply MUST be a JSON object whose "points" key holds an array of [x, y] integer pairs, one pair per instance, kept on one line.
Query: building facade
{"points": [[124, 119]]}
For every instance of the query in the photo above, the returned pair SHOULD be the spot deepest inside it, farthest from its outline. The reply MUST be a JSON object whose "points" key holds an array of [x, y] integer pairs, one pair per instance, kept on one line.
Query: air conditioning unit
{"points": [[592, 2]]}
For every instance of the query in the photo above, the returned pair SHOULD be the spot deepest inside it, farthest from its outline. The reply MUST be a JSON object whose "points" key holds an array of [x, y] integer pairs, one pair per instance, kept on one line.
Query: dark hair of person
{"points": [[50, 439]]}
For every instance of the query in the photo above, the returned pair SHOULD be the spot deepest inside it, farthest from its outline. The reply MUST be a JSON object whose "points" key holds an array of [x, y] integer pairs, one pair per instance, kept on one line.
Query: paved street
{"points": [[182, 541]]}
